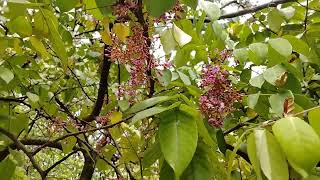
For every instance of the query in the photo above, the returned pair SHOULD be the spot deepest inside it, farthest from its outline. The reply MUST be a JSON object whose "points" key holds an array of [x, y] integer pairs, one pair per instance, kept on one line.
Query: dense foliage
{"points": [[159, 89]]}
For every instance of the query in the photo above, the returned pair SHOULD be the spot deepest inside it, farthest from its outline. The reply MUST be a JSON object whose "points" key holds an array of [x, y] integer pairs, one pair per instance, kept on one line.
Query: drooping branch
{"points": [[103, 88]]}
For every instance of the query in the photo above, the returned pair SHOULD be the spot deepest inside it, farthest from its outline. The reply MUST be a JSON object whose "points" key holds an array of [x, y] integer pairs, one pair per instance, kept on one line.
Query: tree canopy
{"points": [[159, 89]]}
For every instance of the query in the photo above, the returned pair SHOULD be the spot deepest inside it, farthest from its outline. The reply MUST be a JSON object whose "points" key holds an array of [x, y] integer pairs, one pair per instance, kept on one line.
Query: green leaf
{"points": [[211, 9], [221, 141], [277, 101], [123, 104], [282, 46], [181, 37], [299, 142], [39, 47], [157, 7], [7, 168], [314, 119], [115, 117], [287, 12], [147, 113], [6, 74], [178, 139], [258, 52], [200, 167], [275, 20], [65, 6], [148, 103], [269, 154], [99, 8], [203, 131], [253, 100], [185, 79], [241, 54], [165, 77], [21, 26], [68, 144], [168, 42], [274, 74], [298, 45], [151, 155], [253, 155], [33, 97], [55, 37], [257, 81], [166, 172]]}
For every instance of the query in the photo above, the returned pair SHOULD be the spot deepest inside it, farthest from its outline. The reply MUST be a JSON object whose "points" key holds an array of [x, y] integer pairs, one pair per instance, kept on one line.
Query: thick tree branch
{"points": [[88, 167], [103, 88], [144, 24]]}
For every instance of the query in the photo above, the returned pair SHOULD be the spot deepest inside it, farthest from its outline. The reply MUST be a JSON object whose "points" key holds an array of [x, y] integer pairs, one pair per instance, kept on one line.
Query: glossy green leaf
{"points": [[147, 113], [6, 74], [299, 142], [274, 74], [123, 104], [180, 36], [257, 81], [148, 103], [298, 45], [253, 100], [258, 52], [165, 77], [167, 40], [314, 119], [282, 46], [20, 25], [39, 47], [178, 139], [275, 20], [277, 101], [200, 167], [269, 154], [185, 79]]}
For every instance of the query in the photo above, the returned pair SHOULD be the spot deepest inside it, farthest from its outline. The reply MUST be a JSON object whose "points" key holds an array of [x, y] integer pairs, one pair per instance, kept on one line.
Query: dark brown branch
{"points": [[88, 167], [17, 100], [240, 125], [255, 9], [144, 24], [229, 3], [65, 109], [59, 162], [103, 88], [240, 153], [20, 146], [78, 80]]}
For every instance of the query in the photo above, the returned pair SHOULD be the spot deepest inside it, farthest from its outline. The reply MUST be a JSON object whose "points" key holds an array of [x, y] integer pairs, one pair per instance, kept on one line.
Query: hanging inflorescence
{"points": [[219, 96]]}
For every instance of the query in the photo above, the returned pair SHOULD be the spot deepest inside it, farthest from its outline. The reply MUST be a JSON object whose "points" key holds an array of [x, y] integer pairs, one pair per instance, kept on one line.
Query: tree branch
{"points": [[274, 3], [103, 88], [59, 162], [20, 146], [240, 125]]}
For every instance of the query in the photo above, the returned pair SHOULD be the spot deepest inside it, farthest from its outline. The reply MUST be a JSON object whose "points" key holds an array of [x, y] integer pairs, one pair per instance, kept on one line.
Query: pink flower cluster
{"points": [[219, 96], [134, 52]]}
